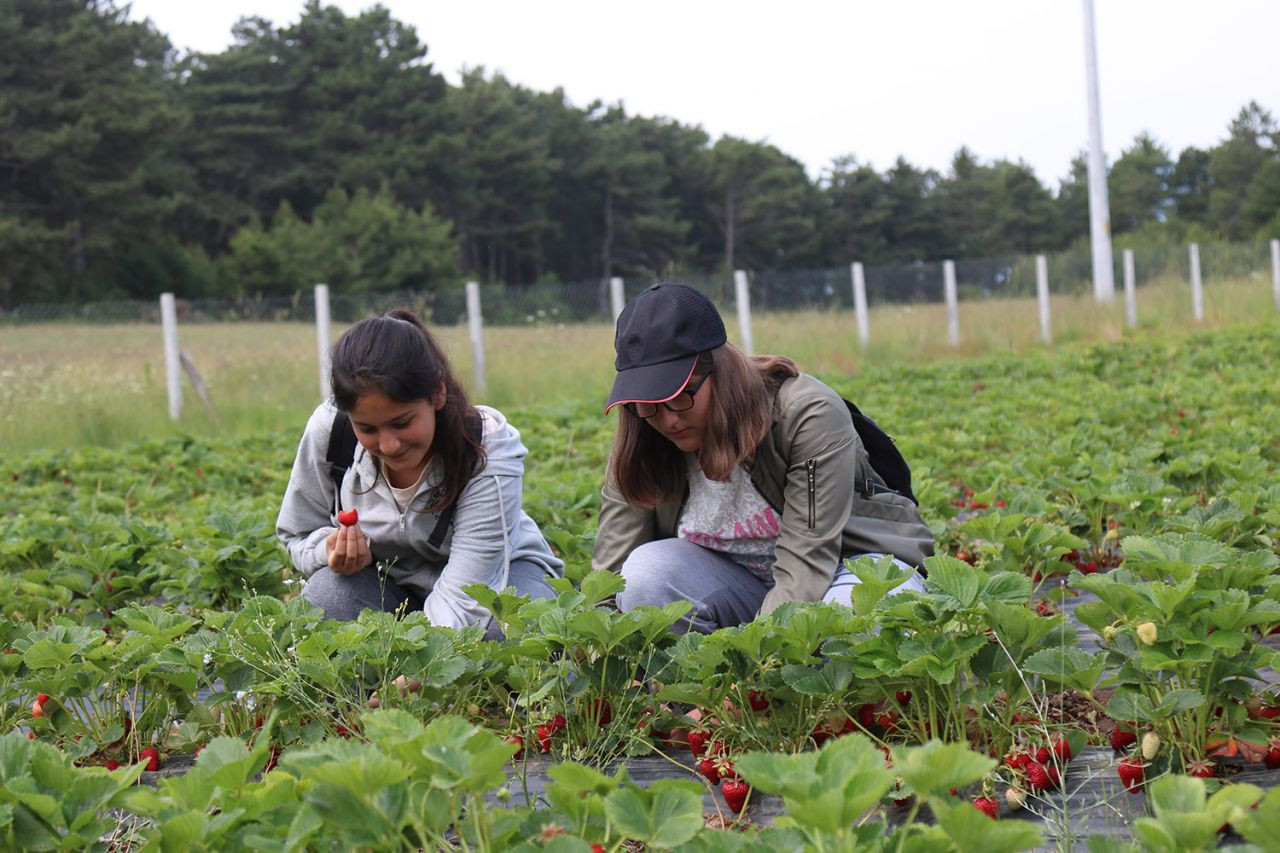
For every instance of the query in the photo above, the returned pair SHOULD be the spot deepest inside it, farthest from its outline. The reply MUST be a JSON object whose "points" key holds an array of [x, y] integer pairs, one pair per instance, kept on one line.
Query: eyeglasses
{"points": [[681, 402]]}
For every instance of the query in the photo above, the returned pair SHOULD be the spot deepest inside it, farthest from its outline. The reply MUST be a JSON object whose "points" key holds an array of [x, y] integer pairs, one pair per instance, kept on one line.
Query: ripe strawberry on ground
{"points": [[735, 793], [1122, 739], [1132, 773], [348, 517], [152, 756], [988, 806]]}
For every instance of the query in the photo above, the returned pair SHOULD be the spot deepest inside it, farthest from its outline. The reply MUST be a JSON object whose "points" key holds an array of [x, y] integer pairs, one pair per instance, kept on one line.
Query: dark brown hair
{"points": [[649, 470], [396, 355]]}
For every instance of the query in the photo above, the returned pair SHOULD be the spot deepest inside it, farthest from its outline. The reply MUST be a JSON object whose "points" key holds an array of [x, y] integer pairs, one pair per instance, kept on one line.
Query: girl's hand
{"points": [[348, 549]]}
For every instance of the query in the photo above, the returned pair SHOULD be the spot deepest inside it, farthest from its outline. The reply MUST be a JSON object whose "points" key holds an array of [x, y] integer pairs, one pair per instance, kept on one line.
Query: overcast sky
{"points": [[875, 79]]}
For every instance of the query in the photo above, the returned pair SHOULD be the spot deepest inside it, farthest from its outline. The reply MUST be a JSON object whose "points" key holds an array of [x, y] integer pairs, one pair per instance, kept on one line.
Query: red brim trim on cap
{"points": [[672, 396]]}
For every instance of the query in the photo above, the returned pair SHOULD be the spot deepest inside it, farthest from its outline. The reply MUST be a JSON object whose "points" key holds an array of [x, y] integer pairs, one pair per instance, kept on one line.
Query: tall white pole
{"points": [[1130, 290], [616, 297], [1197, 286], [1275, 271], [1104, 286], [476, 329], [1042, 295], [322, 337], [743, 295], [172, 357], [953, 306], [860, 304]]}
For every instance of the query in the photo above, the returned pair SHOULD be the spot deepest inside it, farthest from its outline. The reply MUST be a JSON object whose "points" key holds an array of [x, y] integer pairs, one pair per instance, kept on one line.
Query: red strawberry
{"points": [[111, 764], [1042, 755], [1037, 776], [1121, 739], [1016, 760], [735, 793], [41, 698], [601, 711], [348, 517], [152, 756], [596, 848], [903, 697], [1272, 758], [1061, 748], [710, 768], [757, 700], [1132, 773], [558, 722], [987, 806], [37, 710], [519, 742], [888, 720], [867, 715], [698, 741], [1200, 768], [544, 738]]}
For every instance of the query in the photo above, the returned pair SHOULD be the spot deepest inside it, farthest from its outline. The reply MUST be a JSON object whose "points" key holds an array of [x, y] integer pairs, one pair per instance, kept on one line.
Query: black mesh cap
{"points": [[660, 335]]}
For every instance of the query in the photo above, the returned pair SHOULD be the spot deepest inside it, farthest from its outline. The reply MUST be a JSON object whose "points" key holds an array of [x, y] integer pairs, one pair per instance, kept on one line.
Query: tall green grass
{"points": [[67, 386]]}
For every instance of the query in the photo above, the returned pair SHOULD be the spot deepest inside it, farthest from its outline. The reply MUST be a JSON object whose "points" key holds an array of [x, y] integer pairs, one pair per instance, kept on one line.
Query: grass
{"points": [[71, 385]]}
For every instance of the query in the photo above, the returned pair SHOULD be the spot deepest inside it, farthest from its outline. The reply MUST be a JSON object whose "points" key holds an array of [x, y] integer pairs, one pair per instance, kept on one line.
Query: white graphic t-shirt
{"points": [[731, 518]]}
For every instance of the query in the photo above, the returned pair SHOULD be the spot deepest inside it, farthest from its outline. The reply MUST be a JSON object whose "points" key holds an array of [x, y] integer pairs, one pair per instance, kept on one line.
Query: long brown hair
{"points": [[396, 355], [649, 470]]}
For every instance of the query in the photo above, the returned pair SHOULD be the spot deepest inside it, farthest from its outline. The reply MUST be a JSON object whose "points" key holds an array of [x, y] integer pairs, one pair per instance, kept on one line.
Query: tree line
{"points": [[331, 150]]}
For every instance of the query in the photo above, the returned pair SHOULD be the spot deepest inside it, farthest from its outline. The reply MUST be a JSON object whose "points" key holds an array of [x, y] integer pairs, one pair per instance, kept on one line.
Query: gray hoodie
{"points": [[489, 530]]}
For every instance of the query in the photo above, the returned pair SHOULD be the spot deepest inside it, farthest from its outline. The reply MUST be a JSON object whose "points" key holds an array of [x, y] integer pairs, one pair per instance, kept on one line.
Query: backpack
{"points": [[342, 452], [886, 459]]}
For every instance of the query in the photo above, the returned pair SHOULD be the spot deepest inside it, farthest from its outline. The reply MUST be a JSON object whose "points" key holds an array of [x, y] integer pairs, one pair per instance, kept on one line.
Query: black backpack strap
{"points": [[342, 450], [885, 458], [475, 428]]}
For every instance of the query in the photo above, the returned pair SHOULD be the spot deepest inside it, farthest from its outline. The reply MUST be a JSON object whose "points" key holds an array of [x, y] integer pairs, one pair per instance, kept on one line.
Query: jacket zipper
{"points": [[811, 467]]}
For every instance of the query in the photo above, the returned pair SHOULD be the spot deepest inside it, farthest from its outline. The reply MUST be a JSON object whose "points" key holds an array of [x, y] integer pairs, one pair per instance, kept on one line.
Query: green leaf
{"points": [[831, 680], [935, 768], [1071, 667], [954, 578], [668, 813], [1176, 701], [970, 829], [1130, 706]]}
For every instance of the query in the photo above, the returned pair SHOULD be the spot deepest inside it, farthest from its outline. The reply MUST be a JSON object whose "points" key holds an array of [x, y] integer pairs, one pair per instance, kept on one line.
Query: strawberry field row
{"points": [[144, 604]]}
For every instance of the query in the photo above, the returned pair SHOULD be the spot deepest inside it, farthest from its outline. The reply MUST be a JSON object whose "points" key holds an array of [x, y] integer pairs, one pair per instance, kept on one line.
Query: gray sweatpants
{"points": [[342, 597], [722, 592]]}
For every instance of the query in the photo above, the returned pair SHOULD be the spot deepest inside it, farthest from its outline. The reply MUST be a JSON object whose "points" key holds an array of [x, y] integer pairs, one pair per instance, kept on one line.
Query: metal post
{"points": [[475, 327], [1197, 287], [617, 297], [1042, 295], [1275, 271], [1104, 286], [322, 338], [1130, 290], [860, 305], [953, 310], [172, 357], [743, 295]]}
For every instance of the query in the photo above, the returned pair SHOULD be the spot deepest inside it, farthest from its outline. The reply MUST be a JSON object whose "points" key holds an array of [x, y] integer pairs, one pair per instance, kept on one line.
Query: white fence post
{"points": [[860, 305], [953, 310], [743, 296], [1197, 287], [1130, 290], [1275, 271], [172, 357], [322, 338], [617, 297], [1042, 295], [476, 329]]}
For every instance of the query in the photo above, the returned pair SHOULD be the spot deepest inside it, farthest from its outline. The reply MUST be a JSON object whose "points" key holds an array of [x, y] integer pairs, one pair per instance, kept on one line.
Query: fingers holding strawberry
{"points": [[348, 548]]}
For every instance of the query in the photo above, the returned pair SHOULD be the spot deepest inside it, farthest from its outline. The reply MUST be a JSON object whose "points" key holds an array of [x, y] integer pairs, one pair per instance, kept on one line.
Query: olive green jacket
{"points": [[805, 468]]}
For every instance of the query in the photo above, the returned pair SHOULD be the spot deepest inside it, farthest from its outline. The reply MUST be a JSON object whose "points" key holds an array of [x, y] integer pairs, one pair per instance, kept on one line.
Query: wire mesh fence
{"points": [[904, 284]]}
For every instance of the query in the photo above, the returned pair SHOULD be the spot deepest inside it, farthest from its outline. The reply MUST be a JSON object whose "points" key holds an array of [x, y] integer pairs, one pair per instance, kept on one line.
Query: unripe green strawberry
{"points": [[1150, 745], [1109, 634], [1016, 798], [1147, 633]]}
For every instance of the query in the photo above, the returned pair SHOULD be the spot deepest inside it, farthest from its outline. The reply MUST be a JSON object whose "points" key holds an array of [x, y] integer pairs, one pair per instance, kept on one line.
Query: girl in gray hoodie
{"points": [[431, 501]]}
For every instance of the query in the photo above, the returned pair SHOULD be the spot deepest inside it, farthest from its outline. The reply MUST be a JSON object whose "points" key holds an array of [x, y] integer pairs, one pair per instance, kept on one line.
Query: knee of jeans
{"points": [[324, 591], [644, 573]]}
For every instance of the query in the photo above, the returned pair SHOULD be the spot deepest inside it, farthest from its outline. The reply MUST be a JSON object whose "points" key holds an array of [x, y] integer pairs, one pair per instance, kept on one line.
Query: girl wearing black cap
{"points": [[732, 479], [434, 481]]}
